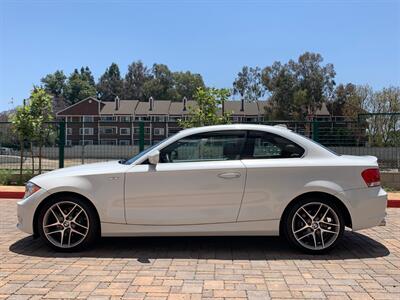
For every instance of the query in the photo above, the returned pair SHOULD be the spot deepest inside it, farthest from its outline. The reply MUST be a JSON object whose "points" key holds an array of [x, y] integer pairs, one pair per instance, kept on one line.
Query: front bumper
{"points": [[26, 210]]}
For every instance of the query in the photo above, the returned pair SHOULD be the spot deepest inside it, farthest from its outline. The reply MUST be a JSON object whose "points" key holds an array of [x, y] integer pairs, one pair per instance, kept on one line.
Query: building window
{"points": [[86, 142], [136, 130], [125, 118], [68, 143], [124, 131], [172, 131], [108, 142], [142, 118], [124, 142], [236, 119], [69, 119], [108, 130], [108, 118], [174, 118], [87, 119], [158, 131], [158, 118], [86, 131], [69, 131], [251, 119]]}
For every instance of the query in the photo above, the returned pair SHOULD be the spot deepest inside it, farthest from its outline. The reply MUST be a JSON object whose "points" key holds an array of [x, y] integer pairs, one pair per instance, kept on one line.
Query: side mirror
{"points": [[154, 157]]}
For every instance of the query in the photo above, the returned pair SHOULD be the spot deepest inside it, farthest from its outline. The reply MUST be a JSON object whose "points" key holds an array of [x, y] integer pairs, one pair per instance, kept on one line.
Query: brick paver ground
{"points": [[366, 265]]}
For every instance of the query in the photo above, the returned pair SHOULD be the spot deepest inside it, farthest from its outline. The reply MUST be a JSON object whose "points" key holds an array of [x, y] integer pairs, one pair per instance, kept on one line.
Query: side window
{"points": [[264, 145], [210, 146]]}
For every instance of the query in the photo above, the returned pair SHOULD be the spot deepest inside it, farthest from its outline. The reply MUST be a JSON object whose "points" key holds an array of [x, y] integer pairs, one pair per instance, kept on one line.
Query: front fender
{"points": [[106, 196]]}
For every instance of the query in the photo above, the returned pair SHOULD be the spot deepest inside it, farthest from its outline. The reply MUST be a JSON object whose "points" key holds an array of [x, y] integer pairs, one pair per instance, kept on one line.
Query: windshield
{"points": [[140, 154]]}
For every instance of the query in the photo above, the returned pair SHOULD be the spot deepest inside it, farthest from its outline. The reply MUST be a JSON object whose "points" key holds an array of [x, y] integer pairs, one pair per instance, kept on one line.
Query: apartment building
{"points": [[95, 122]]}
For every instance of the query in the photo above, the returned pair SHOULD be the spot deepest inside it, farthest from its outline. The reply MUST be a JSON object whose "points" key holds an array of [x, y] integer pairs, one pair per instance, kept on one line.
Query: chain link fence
{"points": [[74, 143]]}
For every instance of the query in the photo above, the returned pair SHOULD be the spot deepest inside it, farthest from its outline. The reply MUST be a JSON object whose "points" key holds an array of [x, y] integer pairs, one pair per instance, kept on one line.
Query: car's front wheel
{"points": [[68, 223], [314, 226]]}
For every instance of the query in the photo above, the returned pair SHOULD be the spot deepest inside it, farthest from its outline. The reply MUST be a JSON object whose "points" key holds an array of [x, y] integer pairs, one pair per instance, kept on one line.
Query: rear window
{"points": [[322, 146], [265, 145]]}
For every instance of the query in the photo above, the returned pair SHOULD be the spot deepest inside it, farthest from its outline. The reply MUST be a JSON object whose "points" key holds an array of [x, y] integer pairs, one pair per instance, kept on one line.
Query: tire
{"points": [[68, 223], [314, 226]]}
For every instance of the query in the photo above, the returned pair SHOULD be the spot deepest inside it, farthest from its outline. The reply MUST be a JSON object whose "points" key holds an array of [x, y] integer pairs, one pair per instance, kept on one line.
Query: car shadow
{"points": [[143, 249]]}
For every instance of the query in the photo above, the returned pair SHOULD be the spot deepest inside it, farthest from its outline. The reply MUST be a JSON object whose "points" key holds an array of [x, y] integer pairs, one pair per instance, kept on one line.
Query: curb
{"points": [[393, 203], [11, 195]]}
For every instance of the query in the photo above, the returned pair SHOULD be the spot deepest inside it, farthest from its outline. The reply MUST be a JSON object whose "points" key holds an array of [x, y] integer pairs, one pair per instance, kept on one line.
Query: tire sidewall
{"points": [[288, 225], [93, 232]]}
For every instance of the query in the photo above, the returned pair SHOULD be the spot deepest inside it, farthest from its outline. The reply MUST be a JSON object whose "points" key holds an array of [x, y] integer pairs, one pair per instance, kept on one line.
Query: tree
{"points": [[384, 123], [359, 101], [160, 86], [374, 111], [186, 85], [110, 84], [55, 83], [280, 81], [22, 125], [135, 78], [166, 85], [86, 75], [299, 88], [80, 85], [209, 101], [342, 96], [248, 84], [315, 79], [40, 109]]}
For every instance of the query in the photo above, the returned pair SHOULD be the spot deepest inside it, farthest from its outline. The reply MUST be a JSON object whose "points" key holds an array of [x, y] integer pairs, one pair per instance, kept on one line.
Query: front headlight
{"points": [[30, 189]]}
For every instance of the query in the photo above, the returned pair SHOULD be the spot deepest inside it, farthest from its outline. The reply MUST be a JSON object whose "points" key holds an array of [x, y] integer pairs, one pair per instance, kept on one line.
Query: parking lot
{"points": [[366, 265]]}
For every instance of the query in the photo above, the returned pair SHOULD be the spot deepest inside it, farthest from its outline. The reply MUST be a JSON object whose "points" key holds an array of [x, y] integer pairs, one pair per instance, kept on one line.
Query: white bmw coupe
{"points": [[217, 180]]}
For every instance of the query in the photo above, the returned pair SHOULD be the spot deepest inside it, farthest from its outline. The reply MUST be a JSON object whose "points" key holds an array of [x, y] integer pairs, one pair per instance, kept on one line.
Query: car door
{"points": [[199, 180], [275, 172]]}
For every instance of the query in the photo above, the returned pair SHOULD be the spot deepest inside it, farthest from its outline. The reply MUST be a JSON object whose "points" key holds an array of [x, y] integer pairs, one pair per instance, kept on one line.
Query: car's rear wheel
{"points": [[68, 223], [314, 225]]}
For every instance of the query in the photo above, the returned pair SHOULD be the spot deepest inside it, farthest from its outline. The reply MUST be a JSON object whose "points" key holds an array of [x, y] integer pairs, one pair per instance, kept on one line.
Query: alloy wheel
{"points": [[65, 224], [315, 226]]}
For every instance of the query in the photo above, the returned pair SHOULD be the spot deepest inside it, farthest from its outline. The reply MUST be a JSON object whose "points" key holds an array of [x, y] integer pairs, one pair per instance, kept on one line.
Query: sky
{"points": [[213, 38]]}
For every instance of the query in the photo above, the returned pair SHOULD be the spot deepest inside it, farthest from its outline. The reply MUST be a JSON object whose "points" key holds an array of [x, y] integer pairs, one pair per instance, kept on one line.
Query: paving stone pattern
{"points": [[366, 265]]}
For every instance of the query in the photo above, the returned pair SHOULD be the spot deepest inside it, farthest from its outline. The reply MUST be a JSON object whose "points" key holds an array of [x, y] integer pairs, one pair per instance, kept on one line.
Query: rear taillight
{"points": [[372, 177]]}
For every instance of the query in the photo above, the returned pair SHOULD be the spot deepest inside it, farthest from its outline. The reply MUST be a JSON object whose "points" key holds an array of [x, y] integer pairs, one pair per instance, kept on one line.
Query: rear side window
{"points": [[209, 146], [265, 145]]}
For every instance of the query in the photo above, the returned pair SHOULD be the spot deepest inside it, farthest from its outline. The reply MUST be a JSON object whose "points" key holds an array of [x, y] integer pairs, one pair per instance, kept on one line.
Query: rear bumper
{"points": [[367, 206]]}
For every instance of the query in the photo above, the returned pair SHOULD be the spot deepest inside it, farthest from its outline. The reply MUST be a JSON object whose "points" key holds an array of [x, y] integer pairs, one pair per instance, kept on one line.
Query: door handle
{"points": [[229, 175]]}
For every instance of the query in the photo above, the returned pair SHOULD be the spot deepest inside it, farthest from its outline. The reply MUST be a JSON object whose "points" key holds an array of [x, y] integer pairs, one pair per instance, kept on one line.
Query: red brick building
{"points": [[91, 121]]}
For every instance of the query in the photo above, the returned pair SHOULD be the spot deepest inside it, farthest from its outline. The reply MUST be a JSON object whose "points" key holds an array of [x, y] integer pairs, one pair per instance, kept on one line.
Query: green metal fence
{"points": [[73, 143]]}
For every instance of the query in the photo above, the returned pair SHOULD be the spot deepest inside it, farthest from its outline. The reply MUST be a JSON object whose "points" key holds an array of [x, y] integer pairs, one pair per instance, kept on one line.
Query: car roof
{"points": [[195, 130]]}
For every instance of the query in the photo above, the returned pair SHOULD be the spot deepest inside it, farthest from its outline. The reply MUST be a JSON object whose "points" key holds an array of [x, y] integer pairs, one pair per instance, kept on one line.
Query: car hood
{"points": [[83, 170]]}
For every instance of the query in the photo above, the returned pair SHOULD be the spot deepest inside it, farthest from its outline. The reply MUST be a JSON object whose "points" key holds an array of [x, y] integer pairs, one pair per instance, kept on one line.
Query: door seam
{"points": [[124, 195], [243, 193]]}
